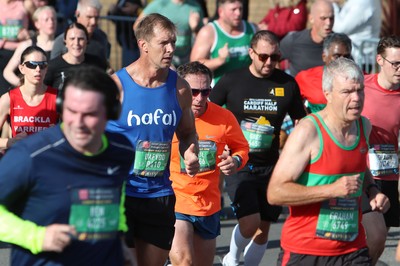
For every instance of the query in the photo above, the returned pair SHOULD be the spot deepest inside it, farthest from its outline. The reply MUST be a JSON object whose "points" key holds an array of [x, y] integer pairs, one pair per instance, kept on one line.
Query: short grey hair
{"points": [[82, 4], [341, 67]]}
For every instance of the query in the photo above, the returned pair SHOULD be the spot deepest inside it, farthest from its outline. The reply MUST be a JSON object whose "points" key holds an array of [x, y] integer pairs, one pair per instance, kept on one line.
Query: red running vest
{"points": [[299, 233], [31, 119]]}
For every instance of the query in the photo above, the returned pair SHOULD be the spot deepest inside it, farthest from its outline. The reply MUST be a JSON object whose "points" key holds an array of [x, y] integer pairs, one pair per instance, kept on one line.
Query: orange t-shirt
{"points": [[200, 195]]}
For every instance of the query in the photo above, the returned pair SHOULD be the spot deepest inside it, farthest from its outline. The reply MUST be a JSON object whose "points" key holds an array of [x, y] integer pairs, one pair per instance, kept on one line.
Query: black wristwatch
{"points": [[238, 160]]}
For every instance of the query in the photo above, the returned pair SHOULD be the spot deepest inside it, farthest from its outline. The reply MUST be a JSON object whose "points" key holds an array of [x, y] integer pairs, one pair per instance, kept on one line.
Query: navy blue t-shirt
{"points": [[38, 176]]}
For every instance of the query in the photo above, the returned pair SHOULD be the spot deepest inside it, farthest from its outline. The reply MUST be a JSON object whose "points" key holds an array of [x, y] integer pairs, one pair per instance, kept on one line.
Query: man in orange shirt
{"points": [[198, 198]]}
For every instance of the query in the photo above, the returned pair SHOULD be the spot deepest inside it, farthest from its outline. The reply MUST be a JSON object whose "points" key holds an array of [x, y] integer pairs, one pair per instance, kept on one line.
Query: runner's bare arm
{"points": [[186, 130], [302, 146], [202, 48]]}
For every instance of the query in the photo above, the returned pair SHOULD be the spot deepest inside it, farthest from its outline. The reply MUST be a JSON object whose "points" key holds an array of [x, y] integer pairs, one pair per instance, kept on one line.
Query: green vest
{"points": [[238, 48]]}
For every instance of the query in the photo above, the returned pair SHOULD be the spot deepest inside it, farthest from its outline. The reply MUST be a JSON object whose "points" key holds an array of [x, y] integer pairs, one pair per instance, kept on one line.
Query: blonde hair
{"points": [[38, 11]]}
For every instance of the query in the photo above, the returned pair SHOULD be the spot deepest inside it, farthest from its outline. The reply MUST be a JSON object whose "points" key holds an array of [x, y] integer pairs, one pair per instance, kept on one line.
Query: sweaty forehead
{"points": [[76, 95], [160, 33], [35, 56], [74, 33], [393, 53], [267, 44], [338, 48], [321, 6], [198, 81]]}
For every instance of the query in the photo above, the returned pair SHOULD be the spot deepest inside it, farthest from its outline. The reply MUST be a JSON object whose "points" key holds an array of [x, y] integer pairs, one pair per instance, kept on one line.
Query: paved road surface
{"points": [[271, 255]]}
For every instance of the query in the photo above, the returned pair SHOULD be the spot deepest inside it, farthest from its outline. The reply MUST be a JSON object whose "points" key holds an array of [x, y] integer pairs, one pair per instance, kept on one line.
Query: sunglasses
{"points": [[204, 92], [264, 57], [395, 65], [35, 64]]}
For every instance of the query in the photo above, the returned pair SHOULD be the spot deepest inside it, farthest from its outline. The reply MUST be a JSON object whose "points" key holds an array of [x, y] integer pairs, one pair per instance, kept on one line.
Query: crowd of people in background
{"points": [[103, 166]]}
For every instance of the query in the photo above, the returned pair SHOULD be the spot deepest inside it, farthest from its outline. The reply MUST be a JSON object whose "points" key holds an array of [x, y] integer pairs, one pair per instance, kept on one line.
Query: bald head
{"points": [[319, 5], [321, 18]]}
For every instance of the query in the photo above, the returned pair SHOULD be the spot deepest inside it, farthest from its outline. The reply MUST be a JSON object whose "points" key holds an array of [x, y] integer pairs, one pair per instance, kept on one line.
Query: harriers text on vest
{"points": [[30, 129]]}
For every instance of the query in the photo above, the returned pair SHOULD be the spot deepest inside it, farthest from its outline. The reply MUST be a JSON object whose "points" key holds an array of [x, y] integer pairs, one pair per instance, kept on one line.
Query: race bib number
{"points": [[383, 160], [95, 212], [151, 158], [258, 136], [10, 30], [338, 219], [207, 156]]}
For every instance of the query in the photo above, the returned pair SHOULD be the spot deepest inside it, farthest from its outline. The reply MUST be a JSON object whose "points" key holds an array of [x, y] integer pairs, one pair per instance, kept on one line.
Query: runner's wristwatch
{"points": [[238, 160]]}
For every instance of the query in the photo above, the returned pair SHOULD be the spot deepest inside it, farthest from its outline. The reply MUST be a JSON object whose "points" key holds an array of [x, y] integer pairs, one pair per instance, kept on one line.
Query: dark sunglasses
{"points": [[35, 64], [264, 57], [204, 92]]}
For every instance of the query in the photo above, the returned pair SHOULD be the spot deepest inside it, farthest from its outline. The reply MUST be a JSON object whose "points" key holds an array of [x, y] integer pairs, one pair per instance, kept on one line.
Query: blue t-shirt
{"points": [[148, 119]]}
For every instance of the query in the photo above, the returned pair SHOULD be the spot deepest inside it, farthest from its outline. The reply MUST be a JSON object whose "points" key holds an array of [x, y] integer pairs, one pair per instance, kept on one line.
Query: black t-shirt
{"points": [[249, 98], [301, 51], [58, 69]]}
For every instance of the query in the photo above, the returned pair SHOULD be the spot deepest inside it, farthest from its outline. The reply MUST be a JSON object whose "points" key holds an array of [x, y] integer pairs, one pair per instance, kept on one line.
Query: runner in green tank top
{"points": [[238, 48], [223, 45]]}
